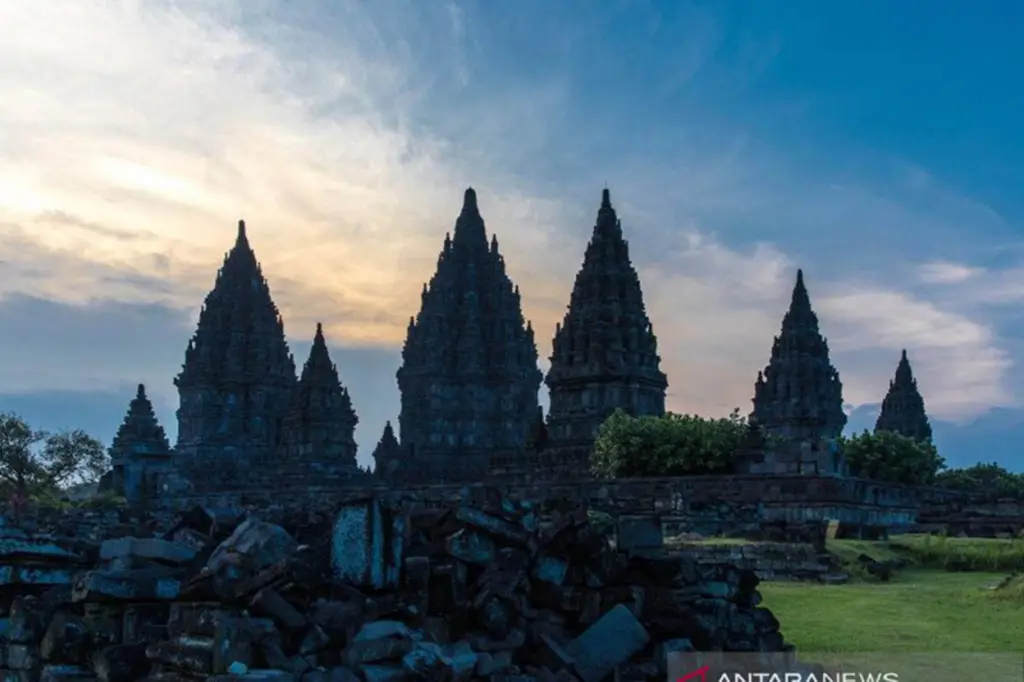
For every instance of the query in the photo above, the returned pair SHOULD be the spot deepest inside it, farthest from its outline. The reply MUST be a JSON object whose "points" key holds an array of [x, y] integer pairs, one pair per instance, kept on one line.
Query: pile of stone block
{"points": [[384, 594]]}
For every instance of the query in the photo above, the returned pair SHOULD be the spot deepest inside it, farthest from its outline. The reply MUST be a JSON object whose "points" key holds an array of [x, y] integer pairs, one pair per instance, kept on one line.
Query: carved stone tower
{"points": [[387, 455], [319, 428], [469, 376], [140, 451], [238, 374], [798, 396], [903, 407], [605, 353]]}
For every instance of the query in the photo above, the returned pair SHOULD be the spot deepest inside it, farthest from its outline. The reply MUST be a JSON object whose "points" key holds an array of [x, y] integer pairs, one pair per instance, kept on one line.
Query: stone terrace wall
{"points": [[709, 505], [976, 518], [769, 560]]}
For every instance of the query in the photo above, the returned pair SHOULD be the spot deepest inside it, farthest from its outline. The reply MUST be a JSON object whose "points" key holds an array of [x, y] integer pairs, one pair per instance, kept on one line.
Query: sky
{"points": [[876, 145]]}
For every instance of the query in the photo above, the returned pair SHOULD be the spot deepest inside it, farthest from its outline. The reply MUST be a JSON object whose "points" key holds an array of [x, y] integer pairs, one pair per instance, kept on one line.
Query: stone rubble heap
{"points": [[386, 594]]}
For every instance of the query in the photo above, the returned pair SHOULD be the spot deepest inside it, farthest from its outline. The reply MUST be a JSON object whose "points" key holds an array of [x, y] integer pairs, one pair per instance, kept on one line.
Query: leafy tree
{"points": [[672, 445], [33, 461], [891, 457], [984, 478]]}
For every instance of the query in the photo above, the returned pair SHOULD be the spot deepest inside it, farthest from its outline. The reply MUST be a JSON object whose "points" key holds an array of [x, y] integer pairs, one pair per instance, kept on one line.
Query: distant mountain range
{"points": [[996, 436]]}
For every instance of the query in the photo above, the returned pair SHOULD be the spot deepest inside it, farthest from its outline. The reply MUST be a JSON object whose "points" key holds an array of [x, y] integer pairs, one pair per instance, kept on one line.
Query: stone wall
{"points": [[974, 518], [708, 505], [748, 506], [768, 560]]}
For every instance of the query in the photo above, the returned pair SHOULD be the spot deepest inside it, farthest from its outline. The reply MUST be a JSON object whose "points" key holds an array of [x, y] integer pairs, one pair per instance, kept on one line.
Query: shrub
{"points": [[672, 445], [891, 457]]}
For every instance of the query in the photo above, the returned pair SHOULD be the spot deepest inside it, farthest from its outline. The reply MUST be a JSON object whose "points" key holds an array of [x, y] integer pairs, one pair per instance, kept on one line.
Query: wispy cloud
{"points": [[944, 272]]}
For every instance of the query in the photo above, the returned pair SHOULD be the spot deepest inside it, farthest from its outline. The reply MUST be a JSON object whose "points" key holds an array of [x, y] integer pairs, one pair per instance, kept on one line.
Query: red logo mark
{"points": [[698, 675]]}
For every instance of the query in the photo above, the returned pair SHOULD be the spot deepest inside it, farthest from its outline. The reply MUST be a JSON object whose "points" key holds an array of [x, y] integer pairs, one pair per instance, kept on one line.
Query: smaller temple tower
{"points": [[799, 396], [140, 452], [903, 407], [319, 427], [387, 455], [604, 353]]}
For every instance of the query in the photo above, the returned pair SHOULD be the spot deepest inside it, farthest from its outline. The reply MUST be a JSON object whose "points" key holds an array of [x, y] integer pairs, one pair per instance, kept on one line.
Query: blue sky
{"points": [[876, 145]]}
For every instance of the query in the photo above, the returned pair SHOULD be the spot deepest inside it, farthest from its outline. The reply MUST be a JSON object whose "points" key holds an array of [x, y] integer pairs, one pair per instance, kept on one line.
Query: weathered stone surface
{"points": [[146, 549], [554, 600], [367, 545], [254, 545]]}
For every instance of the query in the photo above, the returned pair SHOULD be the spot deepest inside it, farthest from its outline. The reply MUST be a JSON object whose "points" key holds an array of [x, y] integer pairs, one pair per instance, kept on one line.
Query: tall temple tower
{"points": [[238, 374], [469, 376], [319, 427], [903, 407], [604, 353], [798, 395]]}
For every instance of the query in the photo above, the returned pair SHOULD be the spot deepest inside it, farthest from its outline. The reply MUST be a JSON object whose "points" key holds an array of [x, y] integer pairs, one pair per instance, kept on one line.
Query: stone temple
{"points": [[243, 412], [604, 354], [903, 407], [469, 382], [469, 376]]}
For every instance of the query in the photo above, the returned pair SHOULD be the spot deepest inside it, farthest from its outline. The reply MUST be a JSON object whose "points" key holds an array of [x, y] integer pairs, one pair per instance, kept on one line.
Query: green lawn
{"points": [[920, 610]]}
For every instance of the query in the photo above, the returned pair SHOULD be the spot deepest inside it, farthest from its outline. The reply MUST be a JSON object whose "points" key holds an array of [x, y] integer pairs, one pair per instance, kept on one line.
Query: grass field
{"points": [[951, 554], [943, 601], [920, 610]]}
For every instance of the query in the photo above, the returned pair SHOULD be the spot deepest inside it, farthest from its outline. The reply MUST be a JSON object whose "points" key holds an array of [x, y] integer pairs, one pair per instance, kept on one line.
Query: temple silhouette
{"points": [[469, 383]]}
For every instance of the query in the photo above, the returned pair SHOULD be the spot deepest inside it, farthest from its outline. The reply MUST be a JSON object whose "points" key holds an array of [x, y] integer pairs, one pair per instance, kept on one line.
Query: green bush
{"points": [[891, 457], [988, 479], [672, 445]]}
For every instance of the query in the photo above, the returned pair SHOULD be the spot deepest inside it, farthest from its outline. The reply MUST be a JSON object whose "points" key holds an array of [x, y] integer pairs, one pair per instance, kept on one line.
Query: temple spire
{"points": [[799, 394], [469, 202], [387, 454], [321, 422], [238, 370], [604, 352], [903, 408], [469, 376], [800, 311], [139, 451]]}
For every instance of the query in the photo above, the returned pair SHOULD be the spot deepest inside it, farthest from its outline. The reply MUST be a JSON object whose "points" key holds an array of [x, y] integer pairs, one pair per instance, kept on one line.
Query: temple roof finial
{"points": [[241, 231], [140, 391], [801, 301], [469, 200], [606, 198]]}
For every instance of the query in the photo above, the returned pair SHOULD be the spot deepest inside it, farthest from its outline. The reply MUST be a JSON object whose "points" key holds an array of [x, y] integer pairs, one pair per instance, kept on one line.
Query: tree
{"points": [[33, 461], [984, 478], [891, 457], [672, 445]]}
